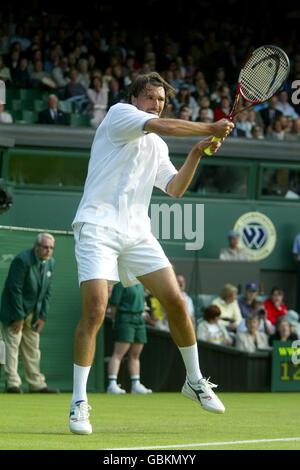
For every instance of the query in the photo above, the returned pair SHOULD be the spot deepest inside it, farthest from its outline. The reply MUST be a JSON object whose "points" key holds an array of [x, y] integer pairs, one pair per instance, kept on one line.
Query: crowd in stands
{"points": [[248, 321], [92, 66]]}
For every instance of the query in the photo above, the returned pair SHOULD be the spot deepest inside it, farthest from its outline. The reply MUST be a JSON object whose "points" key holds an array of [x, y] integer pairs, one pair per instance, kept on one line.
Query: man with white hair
{"points": [[24, 308], [52, 115]]}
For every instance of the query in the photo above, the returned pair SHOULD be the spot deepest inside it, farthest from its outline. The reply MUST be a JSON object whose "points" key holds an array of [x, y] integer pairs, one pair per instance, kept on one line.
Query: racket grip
{"points": [[207, 150]]}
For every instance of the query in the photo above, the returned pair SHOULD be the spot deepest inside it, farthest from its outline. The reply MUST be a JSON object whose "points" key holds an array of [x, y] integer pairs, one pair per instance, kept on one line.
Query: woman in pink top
{"points": [[98, 101], [274, 305]]}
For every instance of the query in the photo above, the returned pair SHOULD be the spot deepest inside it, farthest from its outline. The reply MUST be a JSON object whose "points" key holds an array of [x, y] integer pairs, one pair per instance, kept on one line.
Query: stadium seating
{"points": [[80, 120], [30, 117]]}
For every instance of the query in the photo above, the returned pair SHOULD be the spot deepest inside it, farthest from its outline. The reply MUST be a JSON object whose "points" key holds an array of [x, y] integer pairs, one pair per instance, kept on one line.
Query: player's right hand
{"points": [[222, 128]]}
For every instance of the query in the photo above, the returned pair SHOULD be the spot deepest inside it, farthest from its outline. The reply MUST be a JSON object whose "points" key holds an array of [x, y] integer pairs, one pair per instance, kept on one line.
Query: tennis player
{"points": [[113, 240]]}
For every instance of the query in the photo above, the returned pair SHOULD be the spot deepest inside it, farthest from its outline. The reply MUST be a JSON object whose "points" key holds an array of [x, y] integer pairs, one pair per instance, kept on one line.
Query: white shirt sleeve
{"points": [[126, 123], [166, 170]]}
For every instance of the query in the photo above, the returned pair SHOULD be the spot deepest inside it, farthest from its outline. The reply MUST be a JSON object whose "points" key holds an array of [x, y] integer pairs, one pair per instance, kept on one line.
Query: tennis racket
{"points": [[263, 73]]}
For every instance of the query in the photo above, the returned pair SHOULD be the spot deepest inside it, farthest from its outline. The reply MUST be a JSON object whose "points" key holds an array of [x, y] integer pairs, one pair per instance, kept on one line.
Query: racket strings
{"points": [[264, 73]]}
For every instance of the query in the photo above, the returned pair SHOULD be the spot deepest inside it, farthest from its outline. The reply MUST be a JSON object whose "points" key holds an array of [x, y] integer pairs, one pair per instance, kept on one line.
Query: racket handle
{"points": [[207, 149]]}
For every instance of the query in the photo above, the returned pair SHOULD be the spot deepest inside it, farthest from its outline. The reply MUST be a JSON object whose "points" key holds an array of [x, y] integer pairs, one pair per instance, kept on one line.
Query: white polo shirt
{"points": [[125, 164]]}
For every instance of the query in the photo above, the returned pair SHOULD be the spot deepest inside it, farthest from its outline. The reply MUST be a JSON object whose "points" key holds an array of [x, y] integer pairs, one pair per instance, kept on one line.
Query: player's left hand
{"points": [[214, 146]]}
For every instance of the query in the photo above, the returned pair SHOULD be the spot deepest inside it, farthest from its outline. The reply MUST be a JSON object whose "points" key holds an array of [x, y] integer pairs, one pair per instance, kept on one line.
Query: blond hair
{"points": [[228, 291]]}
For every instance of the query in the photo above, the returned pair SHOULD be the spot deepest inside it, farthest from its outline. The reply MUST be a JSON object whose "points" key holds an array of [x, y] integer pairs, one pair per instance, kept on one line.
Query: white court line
{"points": [[204, 444]]}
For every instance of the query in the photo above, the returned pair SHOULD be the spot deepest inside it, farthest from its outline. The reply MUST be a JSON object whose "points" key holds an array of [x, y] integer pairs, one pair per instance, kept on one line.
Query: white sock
{"points": [[191, 361], [112, 379], [80, 377], [135, 380]]}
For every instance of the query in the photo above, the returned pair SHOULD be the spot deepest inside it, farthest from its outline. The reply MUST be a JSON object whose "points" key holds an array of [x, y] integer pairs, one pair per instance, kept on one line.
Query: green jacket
{"points": [[24, 291]]}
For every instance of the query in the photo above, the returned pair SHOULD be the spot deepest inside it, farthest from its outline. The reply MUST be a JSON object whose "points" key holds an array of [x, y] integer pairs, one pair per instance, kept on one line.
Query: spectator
{"points": [[118, 74], [5, 117], [274, 305], [242, 127], [254, 119], [130, 78], [4, 42], [293, 319], [204, 103], [256, 132], [253, 339], [114, 94], [220, 75], [211, 329], [264, 324], [295, 133], [60, 73], [52, 61], [269, 114], [247, 301], [36, 55], [204, 116], [39, 78], [5, 75], [230, 310], [288, 126], [97, 101], [24, 308], [52, 115], [284, 106], [84, 75], [74, 88], [189, 302], [233, 252], [158, 317], [178, 80], [13, 63], [75, 92], [21, 75], [184, 98], [277, 132], [184, 113], [130, 336], [231, 63], [20, 37], [283, 331], [223, 110]]}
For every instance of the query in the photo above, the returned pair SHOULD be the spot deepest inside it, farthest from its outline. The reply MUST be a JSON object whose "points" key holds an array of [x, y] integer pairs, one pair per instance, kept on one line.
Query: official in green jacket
{"points": [[24, 308]]}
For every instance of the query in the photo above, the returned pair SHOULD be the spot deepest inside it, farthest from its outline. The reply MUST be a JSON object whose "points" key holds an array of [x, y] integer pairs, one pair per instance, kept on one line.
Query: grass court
{"points": [[270, 421]]}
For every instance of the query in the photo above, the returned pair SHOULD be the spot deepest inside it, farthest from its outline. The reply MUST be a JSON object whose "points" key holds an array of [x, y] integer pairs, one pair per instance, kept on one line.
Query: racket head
{"points": [[263, 73]]}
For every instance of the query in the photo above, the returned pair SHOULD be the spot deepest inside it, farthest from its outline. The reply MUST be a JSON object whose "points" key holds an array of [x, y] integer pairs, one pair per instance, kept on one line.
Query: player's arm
{"points": [[182, 128], [181, 181]]}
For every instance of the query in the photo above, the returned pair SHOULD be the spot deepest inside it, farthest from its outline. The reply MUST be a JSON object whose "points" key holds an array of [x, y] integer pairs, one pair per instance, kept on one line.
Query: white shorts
{"points": [[104, 253]]}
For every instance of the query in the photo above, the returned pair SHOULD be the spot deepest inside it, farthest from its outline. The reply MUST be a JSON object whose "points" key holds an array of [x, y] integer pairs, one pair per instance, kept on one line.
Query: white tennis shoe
{"points": [[140, 388], [114, 389], [202, 393], [79, 418]]}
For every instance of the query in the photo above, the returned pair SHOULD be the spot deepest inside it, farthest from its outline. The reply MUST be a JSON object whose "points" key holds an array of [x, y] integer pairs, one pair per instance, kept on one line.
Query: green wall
{"points": [[56, 209]]}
